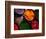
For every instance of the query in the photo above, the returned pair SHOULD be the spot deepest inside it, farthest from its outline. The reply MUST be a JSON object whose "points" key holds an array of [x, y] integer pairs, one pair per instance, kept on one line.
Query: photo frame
{"points": [[11, 7]]}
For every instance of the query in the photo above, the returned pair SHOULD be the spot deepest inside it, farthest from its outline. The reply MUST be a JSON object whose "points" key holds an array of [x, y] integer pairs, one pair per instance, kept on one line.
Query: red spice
{"points": [[35, 24], [15, 27]]}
